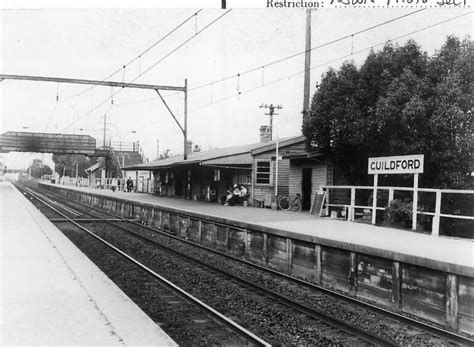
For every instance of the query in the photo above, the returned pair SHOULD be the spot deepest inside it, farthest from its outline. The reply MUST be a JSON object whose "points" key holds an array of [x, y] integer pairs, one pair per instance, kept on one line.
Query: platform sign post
{"points": [[374, 198], [415, 201], [406, 164]]}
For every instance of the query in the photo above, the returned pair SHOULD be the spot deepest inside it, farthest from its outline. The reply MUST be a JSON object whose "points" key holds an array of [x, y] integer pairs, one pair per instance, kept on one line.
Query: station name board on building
{"points": [[406, 164]]}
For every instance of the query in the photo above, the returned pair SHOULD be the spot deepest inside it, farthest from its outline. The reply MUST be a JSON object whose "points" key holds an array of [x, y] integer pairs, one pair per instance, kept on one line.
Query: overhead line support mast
{"points": [[156, 88]]}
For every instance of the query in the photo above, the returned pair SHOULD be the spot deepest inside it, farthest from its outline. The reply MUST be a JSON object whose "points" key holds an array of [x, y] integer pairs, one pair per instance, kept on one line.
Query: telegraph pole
{"points": [[271, 113], [105, 130], [105, 143], [307, 64]]}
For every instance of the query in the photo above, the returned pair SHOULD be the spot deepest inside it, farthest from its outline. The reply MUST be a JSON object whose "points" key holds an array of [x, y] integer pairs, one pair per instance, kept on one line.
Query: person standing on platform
{"points": [[114, 184], [129, 182]]}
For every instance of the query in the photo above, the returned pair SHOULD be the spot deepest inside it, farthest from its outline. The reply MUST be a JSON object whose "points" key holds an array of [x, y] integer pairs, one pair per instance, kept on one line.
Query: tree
{"points": [[400, 101], [37, 169], [68, 164]]}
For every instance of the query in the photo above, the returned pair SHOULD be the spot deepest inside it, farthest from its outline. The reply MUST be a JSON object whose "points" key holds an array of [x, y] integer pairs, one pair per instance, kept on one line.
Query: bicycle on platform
{"points": [[290, 202]]}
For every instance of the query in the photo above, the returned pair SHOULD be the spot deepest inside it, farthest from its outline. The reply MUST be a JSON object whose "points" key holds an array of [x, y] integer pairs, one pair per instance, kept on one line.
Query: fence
{"points": [[373, 207], [122, 146], [141, 185], [119, 146], [72, 181]]}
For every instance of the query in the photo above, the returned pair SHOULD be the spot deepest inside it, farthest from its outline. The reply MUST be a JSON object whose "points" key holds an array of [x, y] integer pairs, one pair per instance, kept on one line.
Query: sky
{"points": [[240, 47]]}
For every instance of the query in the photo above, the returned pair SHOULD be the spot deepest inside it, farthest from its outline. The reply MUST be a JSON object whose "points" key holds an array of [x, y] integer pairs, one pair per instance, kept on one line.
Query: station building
{"points": [[207, 175]]}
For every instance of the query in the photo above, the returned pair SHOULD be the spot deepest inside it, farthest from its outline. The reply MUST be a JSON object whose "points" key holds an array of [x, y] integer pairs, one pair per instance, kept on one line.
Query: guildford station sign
{"points": [[407, 164]]}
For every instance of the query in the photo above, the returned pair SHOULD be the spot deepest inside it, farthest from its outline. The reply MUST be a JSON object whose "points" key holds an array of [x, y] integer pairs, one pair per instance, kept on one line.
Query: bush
{"points": [[399, 213]]}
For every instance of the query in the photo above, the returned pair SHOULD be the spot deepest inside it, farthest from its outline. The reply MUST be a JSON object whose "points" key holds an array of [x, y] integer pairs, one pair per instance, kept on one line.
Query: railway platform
{"points": [[52, 294], [404, 245]]}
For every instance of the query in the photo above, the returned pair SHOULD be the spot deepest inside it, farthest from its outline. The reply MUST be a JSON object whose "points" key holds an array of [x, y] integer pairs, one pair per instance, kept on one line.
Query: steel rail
{"points": [[334, 322], [331, 321], [90, 220], [439, 331], [223, 319]]}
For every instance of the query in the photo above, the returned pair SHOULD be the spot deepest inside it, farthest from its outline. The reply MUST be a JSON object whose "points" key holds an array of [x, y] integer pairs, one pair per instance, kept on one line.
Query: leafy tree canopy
{"points": [[400, 101], [67, 164], [38, 169]]}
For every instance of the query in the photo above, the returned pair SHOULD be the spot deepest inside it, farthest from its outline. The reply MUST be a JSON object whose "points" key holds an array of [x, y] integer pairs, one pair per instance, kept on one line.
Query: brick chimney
{"points": [[264, 133]]}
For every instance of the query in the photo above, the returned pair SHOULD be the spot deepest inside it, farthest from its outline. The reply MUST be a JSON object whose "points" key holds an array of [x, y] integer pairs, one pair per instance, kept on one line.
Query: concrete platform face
{"points": [[51, 294], [400, 245]]}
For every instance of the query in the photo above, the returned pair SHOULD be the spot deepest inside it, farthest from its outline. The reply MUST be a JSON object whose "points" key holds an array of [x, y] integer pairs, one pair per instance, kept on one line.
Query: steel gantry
{"points": [[156, 88]]}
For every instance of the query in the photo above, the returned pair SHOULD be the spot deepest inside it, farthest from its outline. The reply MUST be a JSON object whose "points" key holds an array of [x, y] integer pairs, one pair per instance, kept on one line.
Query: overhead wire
{"points": [[262, 67], [308, 50], [329, 62], [139, 56], [149, 68]]}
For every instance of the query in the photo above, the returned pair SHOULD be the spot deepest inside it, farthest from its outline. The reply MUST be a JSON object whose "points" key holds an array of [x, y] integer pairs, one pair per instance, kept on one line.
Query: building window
{"points": [[263, 172], [217, 175]]}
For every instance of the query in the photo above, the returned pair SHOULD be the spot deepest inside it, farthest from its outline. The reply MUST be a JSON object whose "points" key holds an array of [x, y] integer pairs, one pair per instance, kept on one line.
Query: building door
{"points": [[306, 187], [179, 183]]}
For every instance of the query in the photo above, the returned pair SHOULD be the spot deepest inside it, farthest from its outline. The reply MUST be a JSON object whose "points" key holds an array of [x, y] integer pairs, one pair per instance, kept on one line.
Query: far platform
{"points": [[437, 252], [52, 294]]}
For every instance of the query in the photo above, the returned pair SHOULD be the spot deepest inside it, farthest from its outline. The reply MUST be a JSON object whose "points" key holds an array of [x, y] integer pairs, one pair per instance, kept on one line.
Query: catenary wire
{"points": [[140, 55], [326, 63], [267, 83], [148, 69], [207, 84]]}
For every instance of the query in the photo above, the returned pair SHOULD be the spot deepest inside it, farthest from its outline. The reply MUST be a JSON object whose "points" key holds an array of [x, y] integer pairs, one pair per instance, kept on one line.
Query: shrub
{"points": [[399, 213]]}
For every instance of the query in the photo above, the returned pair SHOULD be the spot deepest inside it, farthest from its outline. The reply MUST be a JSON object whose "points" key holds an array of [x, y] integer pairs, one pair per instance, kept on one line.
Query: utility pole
{"points": [[105, 144], [307, 64], [157, 149], [105, 130], [271, 113]]}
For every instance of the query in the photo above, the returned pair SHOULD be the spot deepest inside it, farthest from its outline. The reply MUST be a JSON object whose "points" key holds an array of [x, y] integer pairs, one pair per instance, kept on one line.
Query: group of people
{"points": [[128, 187], [235, 195], [129, 184]]}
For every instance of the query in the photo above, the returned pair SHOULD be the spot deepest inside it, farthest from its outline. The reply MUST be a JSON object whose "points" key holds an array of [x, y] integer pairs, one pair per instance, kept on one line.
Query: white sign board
{"points": [[406, 164]]}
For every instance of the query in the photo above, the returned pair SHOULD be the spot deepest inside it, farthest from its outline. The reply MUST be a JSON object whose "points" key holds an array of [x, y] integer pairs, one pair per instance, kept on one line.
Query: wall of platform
{"points": [[427, 291]]}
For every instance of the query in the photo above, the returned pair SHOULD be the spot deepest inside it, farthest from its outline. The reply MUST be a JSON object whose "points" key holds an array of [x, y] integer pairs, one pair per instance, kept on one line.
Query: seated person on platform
{"points": [[233, 195], [228, 195], [243, 194]]}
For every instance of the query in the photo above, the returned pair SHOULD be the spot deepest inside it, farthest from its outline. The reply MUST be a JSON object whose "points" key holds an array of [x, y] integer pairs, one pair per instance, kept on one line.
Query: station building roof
{"points": [[230, 156]]}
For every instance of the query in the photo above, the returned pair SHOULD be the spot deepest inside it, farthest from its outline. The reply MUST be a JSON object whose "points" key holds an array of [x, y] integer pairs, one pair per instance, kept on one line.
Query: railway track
{"points": [[218, 328], [335, 323]]}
